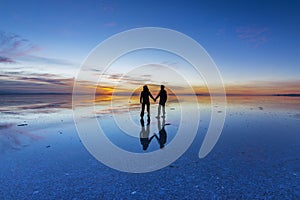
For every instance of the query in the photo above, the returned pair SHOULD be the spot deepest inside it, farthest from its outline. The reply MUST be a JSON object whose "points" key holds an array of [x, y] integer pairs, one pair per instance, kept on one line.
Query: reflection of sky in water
{"points": [[257, 154], [19, 108], [55, 110]]}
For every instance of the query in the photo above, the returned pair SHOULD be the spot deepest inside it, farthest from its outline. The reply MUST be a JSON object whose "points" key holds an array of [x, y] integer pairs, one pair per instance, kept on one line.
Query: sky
{"points": [[254, 44]]}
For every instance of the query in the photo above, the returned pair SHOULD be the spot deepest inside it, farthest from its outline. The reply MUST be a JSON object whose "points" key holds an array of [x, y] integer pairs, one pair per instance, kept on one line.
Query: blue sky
{"points": [[248, 40]]}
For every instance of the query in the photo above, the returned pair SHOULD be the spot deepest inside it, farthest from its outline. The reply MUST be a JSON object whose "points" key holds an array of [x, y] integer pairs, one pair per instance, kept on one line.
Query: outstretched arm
{"points": [[166, 96], [151, 138], [152, 96], [157, 95]]}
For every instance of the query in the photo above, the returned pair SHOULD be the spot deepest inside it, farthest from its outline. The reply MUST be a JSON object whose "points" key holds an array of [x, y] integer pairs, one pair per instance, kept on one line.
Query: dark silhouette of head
{"points": [[162, 87], [145, 146], [145, 88]]}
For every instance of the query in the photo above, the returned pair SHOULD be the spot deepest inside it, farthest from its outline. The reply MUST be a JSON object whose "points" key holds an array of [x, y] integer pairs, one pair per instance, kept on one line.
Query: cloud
{"points": [[44, 78], [46, 60], [221, 32], [5, 60], [24, 82], [13, 46], [264, 87], [254, 35], [126, 79], [108, 6], [110, 24]]}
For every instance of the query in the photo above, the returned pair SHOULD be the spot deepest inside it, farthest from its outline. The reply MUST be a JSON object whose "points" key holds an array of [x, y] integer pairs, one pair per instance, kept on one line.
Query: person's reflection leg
{"points": [[158, 111], [162, 139], [148, 130], [148, 121], [142, 122], [144, 135], [158, 124]]}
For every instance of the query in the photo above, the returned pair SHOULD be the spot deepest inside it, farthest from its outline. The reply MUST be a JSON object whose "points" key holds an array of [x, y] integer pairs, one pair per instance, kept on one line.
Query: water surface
{"points": [[42, 157]]}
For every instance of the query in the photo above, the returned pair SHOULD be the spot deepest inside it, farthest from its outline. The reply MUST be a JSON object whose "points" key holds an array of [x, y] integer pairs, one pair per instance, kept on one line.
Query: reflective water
{"points": [[42, 157]]}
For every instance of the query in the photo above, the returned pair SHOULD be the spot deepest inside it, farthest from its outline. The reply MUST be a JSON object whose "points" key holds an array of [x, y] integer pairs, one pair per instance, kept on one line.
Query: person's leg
{"points": [[143, 110], [158, 110], [164, 110], [148, 109]]}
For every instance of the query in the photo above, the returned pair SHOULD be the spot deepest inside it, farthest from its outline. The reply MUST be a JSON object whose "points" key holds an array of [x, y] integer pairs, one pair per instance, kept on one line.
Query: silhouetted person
{"points": [[162, 139], [144, 100], [144, 135], [162, 100]]}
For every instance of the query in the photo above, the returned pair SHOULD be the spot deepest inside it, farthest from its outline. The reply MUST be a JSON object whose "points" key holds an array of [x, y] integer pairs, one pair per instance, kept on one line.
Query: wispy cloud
{"points": [[5, 60], [36, 77], [46, 60], [254, 35], [110, 24], [126, 79], [24, 82], [264, 87], [108, 6], [13, 46]]}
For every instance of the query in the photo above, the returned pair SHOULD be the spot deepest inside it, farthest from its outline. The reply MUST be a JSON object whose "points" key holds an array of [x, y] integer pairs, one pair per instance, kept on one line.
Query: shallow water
{"points": [[44, 158]]}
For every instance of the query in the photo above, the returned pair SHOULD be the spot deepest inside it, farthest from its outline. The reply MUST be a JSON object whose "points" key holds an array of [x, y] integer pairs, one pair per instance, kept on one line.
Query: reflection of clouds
{"points": [[14, 139], [47, 106], [118, 109], [26, 104]]}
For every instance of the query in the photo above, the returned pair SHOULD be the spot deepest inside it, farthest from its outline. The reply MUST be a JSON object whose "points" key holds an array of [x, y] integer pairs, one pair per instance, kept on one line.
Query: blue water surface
{"points": [[256, 157]]}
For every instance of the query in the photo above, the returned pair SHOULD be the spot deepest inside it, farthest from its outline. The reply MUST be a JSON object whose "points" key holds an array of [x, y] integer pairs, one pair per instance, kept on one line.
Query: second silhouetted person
{"points": [[162, 100]]}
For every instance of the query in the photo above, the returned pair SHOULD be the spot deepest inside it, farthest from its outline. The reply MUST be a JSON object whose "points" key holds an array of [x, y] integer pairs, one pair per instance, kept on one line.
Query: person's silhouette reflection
{"points": [[162, 139], [144, 135]]}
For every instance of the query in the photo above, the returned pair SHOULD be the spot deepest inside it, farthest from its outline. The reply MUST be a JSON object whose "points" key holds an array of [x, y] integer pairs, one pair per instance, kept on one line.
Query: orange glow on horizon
{"points": [[254, 88]]}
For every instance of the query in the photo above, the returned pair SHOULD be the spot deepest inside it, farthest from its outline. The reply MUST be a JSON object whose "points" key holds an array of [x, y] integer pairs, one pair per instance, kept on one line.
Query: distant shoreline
{"points": [[124, 94], [35, 93]]}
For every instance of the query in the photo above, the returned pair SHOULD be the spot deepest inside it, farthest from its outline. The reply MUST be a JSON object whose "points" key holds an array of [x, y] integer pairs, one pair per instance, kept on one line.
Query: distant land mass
{"points": [[287, 95]]}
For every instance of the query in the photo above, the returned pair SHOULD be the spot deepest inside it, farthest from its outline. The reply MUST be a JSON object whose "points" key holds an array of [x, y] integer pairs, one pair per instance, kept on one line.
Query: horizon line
{"points": [[126, 94]]}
